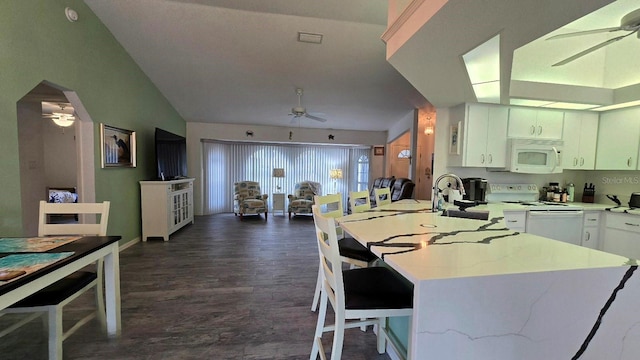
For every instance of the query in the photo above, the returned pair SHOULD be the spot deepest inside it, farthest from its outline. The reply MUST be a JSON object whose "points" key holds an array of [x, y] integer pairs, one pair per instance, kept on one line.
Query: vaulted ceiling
{"points": [[228, 61]]}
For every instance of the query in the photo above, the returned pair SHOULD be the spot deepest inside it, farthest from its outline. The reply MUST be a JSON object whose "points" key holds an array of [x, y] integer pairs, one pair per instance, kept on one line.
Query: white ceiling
{"points": [[525, 58], [614, 66], [228, 61]]}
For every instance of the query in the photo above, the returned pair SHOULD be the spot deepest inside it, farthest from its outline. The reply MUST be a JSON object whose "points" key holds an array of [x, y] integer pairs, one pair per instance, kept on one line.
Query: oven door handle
{"points": [[564, 213]]}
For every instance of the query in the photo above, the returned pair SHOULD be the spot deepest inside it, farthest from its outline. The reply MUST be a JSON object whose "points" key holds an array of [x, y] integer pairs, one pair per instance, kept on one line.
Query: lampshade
{"points": [[335, 173], [278, 172]]}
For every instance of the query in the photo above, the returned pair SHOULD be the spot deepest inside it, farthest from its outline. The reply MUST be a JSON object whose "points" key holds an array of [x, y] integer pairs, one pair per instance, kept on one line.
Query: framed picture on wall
{"points": [[378, 150], [454, 139], [118, 147]]}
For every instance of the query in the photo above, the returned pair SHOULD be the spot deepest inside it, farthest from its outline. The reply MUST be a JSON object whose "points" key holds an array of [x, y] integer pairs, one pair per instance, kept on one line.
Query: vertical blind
{"points": [[227, 163]]}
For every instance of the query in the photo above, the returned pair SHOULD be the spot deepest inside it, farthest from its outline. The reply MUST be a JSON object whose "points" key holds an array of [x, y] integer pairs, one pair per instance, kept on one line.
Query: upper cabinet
{"points": [[535, 123], [618, 139], [483, 135], [580, 133]]}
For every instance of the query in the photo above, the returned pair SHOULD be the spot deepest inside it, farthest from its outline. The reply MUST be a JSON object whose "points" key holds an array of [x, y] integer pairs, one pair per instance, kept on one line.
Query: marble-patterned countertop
{"points": [[422, 245]]}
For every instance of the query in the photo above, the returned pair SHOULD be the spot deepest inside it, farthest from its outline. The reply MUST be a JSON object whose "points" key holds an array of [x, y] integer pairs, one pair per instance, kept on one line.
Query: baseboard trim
{"points": [[129, 244]]}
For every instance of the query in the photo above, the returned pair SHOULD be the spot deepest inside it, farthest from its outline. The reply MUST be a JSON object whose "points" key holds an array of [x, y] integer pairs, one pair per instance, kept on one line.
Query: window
{"points": [[404, 154], [362, 175], [225, 163]]}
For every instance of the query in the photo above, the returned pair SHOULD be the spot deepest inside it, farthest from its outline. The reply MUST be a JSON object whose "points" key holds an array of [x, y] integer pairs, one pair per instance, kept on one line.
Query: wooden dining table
{"points": [[85, 250], [482, 291]]}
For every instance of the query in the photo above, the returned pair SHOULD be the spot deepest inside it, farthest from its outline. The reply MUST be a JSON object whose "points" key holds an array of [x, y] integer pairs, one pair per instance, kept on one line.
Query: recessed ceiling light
{"points": [[309, 37]]}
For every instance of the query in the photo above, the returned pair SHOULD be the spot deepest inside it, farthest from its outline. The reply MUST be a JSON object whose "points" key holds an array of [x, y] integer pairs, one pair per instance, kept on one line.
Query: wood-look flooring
{"points": [[218, 289]]}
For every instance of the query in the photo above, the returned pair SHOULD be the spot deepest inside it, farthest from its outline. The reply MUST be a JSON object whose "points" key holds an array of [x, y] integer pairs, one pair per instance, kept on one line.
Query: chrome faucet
{"points": [[436, 189]]}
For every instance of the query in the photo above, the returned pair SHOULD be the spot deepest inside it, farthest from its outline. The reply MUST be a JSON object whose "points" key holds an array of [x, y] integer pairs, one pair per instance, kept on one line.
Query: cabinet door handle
{"points": [[588, 236], [581, 161], [592, 219], [482, 158], [533, 129], [631, 224], [512, 221], [575, 161], [490, 159], [629, 162], [539, 129]]}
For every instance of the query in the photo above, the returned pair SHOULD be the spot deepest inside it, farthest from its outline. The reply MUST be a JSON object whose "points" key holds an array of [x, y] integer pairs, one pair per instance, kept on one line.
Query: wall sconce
{"points": [[278, 173], [428, 130]]}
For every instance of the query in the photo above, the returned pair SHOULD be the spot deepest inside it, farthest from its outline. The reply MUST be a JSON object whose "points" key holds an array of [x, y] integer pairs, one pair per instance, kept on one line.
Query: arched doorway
{"points": [[50, 154]]}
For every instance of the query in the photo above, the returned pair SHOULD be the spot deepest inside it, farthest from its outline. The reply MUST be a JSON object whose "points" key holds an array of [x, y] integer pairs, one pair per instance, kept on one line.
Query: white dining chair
{"points": [[359, 201], [351, 251], [359, 297], [53, 298], [383, 196]]}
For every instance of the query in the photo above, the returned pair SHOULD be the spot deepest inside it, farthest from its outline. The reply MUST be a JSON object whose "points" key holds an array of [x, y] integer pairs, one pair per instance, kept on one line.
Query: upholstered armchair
{"points": [[249, 200], [301, 200]]}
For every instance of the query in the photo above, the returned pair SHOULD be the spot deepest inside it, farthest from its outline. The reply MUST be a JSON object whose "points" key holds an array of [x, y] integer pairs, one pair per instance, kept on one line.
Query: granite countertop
{"points": [[422, 245]]}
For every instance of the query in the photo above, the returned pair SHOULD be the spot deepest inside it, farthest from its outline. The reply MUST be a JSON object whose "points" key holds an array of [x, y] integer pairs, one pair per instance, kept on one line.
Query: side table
{"points": [[278, 203]]}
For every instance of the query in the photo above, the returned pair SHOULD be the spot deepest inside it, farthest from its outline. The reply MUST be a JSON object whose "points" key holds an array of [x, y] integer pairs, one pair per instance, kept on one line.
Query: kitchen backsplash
{"points": [[621, 183]]}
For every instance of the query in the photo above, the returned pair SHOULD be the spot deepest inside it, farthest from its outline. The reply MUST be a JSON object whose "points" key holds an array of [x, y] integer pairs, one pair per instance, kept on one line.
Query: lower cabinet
{"points": [[166, 207], [591, 230], [622, 235]]}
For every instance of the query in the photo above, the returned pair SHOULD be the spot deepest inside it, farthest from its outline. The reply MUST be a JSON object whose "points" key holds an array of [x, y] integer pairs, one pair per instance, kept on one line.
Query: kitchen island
{"points": [[482, 291]]}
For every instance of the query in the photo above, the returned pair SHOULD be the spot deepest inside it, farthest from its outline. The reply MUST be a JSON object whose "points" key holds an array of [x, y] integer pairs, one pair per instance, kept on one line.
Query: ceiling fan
{"points": [[629, 22], [299, 111], [63, 117]]}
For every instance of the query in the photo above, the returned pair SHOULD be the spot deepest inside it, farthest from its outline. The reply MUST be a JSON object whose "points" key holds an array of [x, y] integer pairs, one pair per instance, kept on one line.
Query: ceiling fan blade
{"points": [[315, 118], [590, 50], [586, 32]]}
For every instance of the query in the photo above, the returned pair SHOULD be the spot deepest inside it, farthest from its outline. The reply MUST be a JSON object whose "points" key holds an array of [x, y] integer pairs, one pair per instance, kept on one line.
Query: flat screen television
{"points": [[171, 155]]}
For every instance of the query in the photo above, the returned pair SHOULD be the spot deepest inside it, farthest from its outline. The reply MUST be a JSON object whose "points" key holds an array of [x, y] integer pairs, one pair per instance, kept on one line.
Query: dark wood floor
{"points": [[219, 289]]}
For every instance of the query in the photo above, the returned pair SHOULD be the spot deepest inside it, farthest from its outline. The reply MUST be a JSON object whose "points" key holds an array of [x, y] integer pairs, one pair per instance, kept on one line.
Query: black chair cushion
{"points": [[58, 291], [376, 288], [351, 248], [402, 189]]}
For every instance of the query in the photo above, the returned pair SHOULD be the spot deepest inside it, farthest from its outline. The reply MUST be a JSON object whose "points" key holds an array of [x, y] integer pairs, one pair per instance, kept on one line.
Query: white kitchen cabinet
{"points": [[580, 134], [591, 229], [618, 139], [516, 220], [166, 207], [533, 123], [483, 135], [622, 235]]}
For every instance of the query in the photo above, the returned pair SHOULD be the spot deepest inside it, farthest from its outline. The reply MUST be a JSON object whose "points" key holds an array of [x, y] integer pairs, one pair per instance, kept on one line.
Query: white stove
{"points": [[527, 195], [553, 220]]}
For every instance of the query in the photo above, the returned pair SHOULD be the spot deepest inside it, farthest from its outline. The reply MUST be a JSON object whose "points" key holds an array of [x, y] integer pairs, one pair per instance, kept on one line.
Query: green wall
{"points": [[38, 43]]}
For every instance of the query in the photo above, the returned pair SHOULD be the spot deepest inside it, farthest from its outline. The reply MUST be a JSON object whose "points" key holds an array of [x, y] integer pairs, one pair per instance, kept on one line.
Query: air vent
{"points": [[309, 38]]}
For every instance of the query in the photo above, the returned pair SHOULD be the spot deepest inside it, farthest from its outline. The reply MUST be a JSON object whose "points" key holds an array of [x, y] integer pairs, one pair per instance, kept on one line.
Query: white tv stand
{"points": [[166, 207]]}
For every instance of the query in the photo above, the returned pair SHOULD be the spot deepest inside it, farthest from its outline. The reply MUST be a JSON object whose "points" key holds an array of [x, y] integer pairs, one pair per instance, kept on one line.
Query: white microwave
{"points": [[531, 156]]}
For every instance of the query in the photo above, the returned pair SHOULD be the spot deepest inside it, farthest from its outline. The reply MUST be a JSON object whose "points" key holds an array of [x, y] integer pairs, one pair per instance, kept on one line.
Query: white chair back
{"points": [[383, 196], [329, 205], [98, 228], [359, 206], [330, 260]]}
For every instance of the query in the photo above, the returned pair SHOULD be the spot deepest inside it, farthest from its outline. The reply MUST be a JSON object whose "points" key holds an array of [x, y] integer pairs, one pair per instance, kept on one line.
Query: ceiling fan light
{"points": [[63, 120]]}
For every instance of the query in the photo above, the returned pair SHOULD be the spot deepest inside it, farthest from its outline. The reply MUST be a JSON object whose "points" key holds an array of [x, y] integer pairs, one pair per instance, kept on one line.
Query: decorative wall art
{"points": [[454, 139], [118, 147], [378, 150]]}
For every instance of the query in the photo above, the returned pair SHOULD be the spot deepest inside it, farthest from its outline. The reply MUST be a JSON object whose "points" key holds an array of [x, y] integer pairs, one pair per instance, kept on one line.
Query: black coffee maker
{"points": [[475, 189]]}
